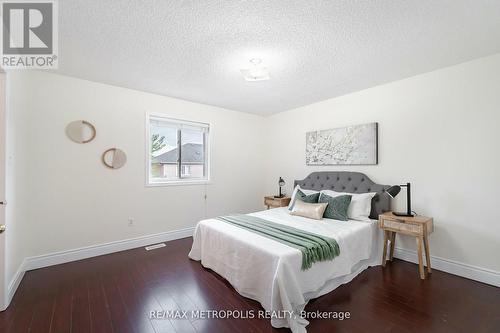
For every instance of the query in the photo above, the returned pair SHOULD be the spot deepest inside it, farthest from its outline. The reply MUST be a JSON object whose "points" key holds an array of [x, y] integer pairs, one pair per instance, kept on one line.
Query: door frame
{"points": [[4, 302]]}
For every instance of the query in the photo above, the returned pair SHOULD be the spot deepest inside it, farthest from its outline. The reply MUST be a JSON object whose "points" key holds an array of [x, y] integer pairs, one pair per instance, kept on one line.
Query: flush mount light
{"points": [[256, 71]]}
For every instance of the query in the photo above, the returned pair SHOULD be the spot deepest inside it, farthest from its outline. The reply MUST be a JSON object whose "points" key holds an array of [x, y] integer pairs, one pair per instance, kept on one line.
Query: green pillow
{"points": [[337, 206], [311, 198]]}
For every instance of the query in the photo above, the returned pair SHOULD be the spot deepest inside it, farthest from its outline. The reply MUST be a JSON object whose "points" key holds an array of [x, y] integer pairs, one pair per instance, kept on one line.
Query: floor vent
{"points": [[154, 247]]}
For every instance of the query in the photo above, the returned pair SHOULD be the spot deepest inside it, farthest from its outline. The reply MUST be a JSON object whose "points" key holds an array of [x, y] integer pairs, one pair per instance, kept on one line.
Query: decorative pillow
{"points": [[361, 204], [294, 194], [309, 210], [337, 206], [300, 195]]}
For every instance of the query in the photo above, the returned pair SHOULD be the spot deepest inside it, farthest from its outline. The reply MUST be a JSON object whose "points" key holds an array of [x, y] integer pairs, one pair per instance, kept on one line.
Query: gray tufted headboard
{"points": [[351, 182]]}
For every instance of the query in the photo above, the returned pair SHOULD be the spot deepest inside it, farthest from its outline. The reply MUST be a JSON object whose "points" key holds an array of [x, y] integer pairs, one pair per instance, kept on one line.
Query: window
{"points": [[177, 151]]}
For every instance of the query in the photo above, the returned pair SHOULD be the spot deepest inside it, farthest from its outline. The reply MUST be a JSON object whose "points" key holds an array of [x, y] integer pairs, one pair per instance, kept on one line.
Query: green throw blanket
{"points": [[314, 247]]}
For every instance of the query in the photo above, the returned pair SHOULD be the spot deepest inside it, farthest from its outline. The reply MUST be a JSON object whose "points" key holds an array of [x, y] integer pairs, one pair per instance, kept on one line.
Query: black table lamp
{"points": [[281, 183], [394, 190]]}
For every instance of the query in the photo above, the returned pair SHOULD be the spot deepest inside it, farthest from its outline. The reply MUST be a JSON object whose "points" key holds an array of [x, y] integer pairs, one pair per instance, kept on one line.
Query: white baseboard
{"points": [[453, 267], [13, 285], [88, 252], [106, 248]]}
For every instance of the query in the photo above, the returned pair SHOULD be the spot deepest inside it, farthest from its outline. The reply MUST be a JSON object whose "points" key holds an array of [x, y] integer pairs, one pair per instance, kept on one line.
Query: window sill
{"points": [[179, 183]]}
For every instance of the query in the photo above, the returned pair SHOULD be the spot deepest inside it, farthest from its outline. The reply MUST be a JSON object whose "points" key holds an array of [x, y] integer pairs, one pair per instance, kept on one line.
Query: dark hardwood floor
{"points": [[116, 292]]}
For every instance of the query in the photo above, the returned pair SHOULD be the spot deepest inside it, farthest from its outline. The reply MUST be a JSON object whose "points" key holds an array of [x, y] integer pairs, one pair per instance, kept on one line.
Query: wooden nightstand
{"points": [[418, 226], [273, 202]]}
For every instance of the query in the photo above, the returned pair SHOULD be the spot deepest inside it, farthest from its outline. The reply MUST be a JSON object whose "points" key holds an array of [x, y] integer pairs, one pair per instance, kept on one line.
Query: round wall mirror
{"points": [[114, 158], [80, 131]]}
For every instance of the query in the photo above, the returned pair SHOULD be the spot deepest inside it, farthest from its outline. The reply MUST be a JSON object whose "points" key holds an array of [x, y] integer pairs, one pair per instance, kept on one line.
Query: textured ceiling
{"points": [[315, 50]]}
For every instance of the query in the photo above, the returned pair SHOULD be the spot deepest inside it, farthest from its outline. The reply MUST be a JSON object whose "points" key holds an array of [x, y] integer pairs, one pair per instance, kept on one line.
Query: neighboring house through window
{"points": [[178, 151]]}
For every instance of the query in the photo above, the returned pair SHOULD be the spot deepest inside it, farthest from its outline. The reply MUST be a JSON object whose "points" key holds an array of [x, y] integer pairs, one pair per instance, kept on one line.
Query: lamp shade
{"points": [[393, 190], [281, 182]]}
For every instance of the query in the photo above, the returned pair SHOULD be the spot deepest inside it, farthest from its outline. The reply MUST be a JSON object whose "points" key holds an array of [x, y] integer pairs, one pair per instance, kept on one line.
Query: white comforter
{"points": [[270, 272]]}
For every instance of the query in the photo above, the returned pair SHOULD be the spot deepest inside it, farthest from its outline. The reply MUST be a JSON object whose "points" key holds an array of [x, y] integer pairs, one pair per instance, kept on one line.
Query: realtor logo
{"points": [[29, 34]]}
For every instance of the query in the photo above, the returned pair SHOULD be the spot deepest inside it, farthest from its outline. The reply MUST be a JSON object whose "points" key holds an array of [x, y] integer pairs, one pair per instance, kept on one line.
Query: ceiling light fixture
{"points": [[256, 72]]}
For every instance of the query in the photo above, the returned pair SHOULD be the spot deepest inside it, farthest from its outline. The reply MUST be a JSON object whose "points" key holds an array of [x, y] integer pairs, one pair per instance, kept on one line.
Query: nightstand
{"points": [[417, 226], [273, 202]]}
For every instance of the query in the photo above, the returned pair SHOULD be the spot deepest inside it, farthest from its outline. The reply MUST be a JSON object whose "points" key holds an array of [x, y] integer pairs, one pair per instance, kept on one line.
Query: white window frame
{"points": [[180, 181]]}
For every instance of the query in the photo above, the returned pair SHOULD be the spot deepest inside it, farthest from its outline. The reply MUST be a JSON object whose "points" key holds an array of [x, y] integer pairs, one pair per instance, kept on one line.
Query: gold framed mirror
{"points": [[81, 131], [114, 158]]}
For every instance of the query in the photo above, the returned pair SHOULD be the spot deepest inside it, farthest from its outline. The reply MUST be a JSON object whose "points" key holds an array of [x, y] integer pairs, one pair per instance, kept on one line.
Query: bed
{"points": [[270, 272]]}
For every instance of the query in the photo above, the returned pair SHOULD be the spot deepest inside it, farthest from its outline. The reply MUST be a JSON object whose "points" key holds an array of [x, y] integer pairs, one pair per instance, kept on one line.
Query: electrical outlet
{"points": [[131, 221]]}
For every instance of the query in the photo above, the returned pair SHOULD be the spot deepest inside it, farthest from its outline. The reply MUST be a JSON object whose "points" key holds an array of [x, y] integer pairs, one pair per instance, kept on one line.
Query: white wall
{"points": [[67, 199], [438, 131]]}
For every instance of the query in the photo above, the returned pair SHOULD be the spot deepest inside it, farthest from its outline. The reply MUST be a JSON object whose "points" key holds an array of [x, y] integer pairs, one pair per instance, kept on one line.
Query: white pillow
{"points": [[294, 193], [361, 204]]}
